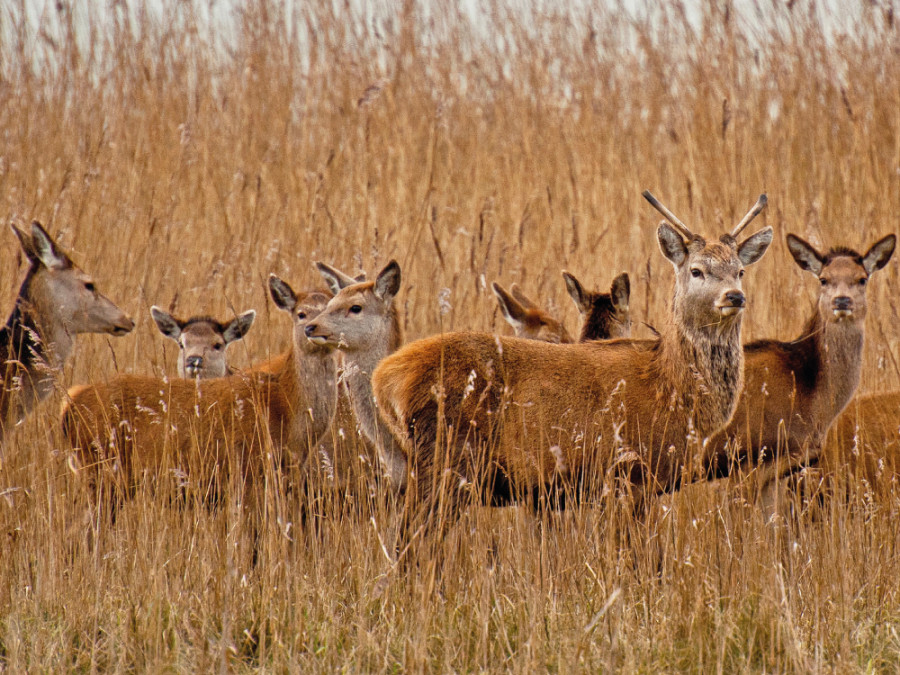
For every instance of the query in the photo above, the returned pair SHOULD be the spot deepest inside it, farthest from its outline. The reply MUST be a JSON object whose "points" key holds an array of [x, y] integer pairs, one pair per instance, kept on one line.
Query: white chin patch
{"points": [[843, 313], [318, 339], [729, 311]]}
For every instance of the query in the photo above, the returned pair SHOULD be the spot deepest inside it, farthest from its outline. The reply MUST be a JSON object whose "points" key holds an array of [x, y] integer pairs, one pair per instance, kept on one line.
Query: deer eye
{"points": [[301, 315], [356, 309], [697, 274], [823, 281], [219, 346], [89, 286], [862, 282], [741, 274]]}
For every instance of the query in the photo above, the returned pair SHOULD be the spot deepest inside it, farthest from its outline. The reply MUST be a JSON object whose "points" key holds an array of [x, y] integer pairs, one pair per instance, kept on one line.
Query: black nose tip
{"points": [[194, 362], [842, 302], [310, 329], [736, 298]]}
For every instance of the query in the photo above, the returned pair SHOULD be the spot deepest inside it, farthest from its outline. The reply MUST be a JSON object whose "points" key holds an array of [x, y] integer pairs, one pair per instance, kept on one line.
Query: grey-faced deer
{"points": [[362, 321], [56, 302], [794, 390], [484, 417], [202, 341], [603, 315], [527, 319], [134, 424]]}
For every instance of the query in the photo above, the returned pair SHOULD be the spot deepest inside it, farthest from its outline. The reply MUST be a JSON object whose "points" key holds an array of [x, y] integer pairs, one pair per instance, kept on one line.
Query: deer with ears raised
{"points": [[603, 315], [132, 424], [486, 418], [202, 341], [793, 391], [527, 319], [56, 301], [362, 321]]}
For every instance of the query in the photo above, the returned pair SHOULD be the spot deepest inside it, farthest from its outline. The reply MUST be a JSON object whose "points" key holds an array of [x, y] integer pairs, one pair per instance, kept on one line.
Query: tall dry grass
{"points": [[183, 164]]}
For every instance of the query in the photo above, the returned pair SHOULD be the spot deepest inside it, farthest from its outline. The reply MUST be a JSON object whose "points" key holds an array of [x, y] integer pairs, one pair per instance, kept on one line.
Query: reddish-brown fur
{"points": [[135, 424], [56, 301], [793, 391], [520, 415], [527, 319], [603, 315]]}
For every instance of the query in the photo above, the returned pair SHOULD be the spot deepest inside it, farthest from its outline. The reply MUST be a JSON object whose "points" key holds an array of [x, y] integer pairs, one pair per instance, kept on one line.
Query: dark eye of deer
{"points": [[356, 309], [301, 315], [862, 282], [89, 287], [697, 274], [823, 281], [741, 274], [218, 346]]}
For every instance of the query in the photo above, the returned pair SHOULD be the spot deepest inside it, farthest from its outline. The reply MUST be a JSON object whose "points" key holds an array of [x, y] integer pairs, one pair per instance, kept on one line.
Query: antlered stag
{"points": [[202, 341], [56, 301], [210, 428], [485, 417]]}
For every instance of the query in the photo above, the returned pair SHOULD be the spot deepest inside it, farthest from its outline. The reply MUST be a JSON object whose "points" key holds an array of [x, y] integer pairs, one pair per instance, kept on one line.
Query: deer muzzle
{"points": [[732, 303], [842, 307]]}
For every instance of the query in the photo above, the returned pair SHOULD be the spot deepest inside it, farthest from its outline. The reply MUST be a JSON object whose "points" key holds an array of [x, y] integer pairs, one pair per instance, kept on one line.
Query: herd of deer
{"points": [[466, 417]]}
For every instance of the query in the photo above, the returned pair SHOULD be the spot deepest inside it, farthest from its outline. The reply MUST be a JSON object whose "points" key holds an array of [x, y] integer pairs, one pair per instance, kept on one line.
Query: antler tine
{"points": [[673, 219], [755, 211]]}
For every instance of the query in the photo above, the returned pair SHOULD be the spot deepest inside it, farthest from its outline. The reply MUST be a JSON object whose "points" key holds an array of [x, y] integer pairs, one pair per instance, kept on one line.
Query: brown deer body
{"points": [[603, 315], [362, 321], [56, 301], [793, 391], [132, 424], [527, 319], [202, 341], [522, 415]]}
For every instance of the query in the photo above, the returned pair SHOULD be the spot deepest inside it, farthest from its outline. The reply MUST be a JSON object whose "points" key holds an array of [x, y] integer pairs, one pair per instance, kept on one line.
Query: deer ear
{"points": [[576, 292], [805, 254], [168, 325], [512, 311], [387, 284], [620, 291], [282, 293], [753, 248], [671, 244], [335, 279], [878, 256], [523, 299], [46, 250], [239, 326]]}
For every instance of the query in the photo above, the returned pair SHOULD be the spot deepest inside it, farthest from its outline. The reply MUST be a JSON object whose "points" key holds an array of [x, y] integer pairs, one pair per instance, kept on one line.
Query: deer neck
{"points": [[33, 348], [834, 352], [312, 379], [704, 369]]}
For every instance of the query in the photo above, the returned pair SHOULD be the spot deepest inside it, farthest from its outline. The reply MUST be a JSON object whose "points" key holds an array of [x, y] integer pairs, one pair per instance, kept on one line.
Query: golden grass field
{"points": [[180, 166]]}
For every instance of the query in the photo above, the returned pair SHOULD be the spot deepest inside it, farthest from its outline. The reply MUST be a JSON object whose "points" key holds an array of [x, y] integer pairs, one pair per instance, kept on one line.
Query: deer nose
{"points": [[842, 303], [735, 298], [310, 329], [193, 362]]}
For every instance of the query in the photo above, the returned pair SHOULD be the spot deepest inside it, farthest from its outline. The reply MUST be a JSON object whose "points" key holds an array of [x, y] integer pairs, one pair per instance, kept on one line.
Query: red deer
{"points": [[362, 321], [793, 391], [604, 315], [56, 302], [132, 424], [202, 341], [527, 319], [523, 416]]}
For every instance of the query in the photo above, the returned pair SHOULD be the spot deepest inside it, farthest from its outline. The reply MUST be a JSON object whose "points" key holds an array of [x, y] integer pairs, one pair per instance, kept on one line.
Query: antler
{"points": [[755, 211], [673, 219]]}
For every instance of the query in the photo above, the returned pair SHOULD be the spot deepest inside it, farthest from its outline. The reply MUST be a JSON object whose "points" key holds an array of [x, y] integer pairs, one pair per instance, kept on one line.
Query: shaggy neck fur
{"points": [[311, 382]]}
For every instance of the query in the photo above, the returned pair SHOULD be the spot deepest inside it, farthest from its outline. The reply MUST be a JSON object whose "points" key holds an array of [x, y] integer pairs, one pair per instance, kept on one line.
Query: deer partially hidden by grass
{"points": [[202, 341], [208, 430], [794, 390], [362, 321], [56, 301], [603, 315], [529, 321], [486, 418]]}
